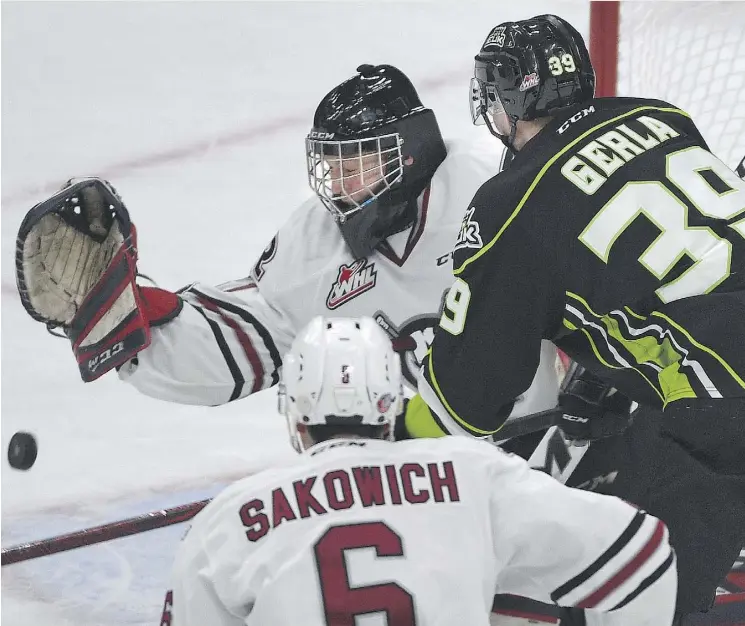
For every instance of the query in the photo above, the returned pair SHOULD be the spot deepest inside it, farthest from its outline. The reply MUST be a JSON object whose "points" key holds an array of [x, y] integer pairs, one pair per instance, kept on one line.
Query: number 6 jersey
{"points": [[422, 532], [615, 234]]}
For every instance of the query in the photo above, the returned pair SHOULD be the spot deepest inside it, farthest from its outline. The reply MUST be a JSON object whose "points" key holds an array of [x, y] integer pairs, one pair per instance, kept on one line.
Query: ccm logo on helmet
{"points": [[317, 134]]}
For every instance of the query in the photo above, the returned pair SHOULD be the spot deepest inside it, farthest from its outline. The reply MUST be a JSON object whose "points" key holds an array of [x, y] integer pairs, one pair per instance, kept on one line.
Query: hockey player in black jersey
{"points": [[616, 234]]}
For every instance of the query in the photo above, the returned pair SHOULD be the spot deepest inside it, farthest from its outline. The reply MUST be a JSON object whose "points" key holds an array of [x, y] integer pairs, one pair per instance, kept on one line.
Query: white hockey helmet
{"points": [[340, 372]]}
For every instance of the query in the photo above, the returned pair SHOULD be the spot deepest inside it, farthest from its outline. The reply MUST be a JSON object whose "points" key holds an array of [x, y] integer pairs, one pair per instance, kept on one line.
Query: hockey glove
{"points": [[76, 259], [591, 409]]}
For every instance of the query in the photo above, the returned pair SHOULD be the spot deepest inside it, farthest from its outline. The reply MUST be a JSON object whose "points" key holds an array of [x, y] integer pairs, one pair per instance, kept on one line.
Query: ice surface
{"points": [[197, 113]]}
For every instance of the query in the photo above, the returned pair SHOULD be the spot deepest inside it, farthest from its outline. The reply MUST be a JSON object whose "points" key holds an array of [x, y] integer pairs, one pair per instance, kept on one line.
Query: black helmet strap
{"points": [[509, 142]]}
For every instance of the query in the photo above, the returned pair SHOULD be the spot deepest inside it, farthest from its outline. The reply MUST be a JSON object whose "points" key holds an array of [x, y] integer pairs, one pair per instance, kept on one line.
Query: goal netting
{"points": [[691, 54]]}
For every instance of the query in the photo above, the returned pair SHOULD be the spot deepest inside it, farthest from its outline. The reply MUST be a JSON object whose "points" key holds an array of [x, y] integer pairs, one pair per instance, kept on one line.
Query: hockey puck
{"points": [[22, 451]]}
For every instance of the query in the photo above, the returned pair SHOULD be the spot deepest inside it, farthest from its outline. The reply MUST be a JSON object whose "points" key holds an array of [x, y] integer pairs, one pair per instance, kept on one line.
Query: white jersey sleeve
{"points": [[580, 549], [228, 341], [223, 345]]}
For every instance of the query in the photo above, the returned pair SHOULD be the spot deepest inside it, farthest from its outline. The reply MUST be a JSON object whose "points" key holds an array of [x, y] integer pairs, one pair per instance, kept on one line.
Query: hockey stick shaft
{"points": [[99, 534], [528, 424], [176, 515]]}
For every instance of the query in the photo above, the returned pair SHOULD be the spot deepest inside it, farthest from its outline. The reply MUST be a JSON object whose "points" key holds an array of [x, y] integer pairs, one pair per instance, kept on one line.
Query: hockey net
{"points": [[691, 54]]}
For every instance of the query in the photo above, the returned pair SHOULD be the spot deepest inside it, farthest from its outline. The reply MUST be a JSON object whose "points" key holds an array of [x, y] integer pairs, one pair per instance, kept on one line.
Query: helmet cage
{"points": [[348, 175]]}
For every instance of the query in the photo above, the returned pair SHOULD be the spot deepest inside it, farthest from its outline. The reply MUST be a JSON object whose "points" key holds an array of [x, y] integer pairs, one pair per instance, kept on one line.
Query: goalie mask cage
{"points": [[691, 54]]}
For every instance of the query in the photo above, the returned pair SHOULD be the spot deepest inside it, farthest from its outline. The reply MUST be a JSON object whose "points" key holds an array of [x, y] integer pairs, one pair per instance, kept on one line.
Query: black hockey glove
{"points": [[591, 408]]}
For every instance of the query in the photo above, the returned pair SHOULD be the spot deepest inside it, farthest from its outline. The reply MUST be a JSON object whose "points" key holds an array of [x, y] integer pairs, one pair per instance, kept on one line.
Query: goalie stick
{"points": [[185, 512]]}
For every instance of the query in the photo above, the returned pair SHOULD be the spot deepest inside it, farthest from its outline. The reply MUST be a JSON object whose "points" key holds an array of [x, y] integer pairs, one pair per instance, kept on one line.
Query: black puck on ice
{"points": [[22, 451]]}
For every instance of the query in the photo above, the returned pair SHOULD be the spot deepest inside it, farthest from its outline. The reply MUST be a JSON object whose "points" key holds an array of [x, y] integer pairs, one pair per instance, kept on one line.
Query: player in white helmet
{"points": [[412, 532]]}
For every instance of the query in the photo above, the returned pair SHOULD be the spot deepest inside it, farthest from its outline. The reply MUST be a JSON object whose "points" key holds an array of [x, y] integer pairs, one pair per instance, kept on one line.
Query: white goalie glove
{"points": [[76, 263]]}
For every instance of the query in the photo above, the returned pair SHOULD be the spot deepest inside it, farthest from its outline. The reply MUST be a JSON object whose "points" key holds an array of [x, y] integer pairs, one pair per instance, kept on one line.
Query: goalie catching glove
{"points": [[76, 264], [590, 408]]}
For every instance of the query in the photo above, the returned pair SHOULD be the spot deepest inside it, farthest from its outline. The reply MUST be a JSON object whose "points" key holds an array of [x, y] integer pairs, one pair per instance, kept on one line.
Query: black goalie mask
{"points": [[371, 152]]}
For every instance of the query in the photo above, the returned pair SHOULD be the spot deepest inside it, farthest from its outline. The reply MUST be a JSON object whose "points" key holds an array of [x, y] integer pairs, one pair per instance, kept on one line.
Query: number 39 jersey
{"points": [[619, 236], [419, 532]]}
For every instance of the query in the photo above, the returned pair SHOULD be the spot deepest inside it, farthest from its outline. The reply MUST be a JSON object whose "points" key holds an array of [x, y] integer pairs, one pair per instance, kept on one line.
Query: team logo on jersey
{"points": [[530, 80], [269, 253], [469, 235], [411, 341], [352, 281]]}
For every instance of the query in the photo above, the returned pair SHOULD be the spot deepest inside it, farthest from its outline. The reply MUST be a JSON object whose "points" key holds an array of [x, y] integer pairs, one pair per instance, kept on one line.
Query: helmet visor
{"points": [[348, 175], [484, 101]]}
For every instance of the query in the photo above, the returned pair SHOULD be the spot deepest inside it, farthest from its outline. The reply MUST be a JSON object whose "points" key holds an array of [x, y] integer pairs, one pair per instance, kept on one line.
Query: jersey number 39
{"points": [[687, 171]]}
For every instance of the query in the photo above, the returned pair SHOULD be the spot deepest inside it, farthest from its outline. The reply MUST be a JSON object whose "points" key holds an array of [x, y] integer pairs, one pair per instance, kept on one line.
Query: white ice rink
{"points": [[197, 113]]}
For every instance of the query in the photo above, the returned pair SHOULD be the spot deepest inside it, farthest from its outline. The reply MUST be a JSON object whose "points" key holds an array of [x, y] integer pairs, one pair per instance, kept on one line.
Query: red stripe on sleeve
{"points": [[627, 571], [244, 340]]}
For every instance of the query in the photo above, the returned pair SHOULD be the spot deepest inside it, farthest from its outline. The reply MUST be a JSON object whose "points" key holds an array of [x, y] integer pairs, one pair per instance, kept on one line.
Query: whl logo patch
{"points": [[352, 281], [529, 81], [469, 235]]}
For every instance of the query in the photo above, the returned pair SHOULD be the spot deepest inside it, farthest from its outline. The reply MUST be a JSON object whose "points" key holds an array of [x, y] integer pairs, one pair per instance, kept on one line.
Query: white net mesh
{"points": [[691, 54]]}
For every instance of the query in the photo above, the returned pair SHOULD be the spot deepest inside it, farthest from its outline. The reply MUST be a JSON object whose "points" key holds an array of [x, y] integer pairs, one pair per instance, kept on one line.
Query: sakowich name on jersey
{"points": [[340, 489]]}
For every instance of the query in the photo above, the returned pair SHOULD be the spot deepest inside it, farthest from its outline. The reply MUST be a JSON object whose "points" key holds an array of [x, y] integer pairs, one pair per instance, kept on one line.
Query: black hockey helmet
{"points": [[375, 124], [530, 69]]}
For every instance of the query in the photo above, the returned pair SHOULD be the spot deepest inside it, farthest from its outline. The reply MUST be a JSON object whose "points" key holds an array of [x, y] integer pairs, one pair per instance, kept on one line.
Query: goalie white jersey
{"points": [[228, 341], [419, 532]]}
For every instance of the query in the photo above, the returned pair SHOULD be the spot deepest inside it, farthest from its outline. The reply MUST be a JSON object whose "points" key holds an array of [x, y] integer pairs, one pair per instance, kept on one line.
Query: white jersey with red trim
{"points": [[229, 341], [415, 532]]}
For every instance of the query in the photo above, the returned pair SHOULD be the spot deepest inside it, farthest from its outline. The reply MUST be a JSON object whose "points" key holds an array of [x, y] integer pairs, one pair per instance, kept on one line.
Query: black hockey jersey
{"points": [[616, 234]]}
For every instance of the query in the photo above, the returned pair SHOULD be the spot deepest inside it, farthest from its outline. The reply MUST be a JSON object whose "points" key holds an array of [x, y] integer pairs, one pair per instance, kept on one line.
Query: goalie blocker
{"points": [[76, 265]]}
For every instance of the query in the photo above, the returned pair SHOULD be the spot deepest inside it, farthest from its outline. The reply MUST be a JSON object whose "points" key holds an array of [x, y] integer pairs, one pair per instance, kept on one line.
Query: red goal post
{"points": [[691, 54]]}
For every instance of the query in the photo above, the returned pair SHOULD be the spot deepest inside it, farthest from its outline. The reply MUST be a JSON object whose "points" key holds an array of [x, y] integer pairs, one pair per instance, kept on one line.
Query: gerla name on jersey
{"points": [[592, 164], [340, 489]]}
